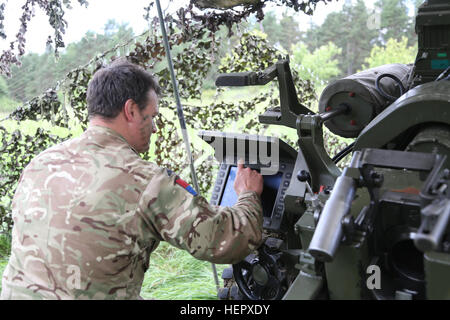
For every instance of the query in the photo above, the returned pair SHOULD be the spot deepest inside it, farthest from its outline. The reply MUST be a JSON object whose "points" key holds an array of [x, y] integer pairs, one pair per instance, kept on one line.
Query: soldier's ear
{"points": [[130, 110]]}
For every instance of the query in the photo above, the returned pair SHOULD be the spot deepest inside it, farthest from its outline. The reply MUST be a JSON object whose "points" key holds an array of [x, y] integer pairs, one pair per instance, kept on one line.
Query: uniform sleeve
{"points": [[217, 234]]}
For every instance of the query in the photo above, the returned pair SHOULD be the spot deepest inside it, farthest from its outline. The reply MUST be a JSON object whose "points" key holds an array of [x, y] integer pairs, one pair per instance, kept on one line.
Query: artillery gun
{"points": [[380, 228]]}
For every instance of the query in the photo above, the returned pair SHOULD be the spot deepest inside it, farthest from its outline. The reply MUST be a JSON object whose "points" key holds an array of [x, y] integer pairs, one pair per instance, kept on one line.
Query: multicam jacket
{"points": [[88, 213]]}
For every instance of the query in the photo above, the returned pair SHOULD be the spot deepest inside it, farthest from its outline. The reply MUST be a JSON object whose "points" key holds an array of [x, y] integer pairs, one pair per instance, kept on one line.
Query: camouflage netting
{"points": [[195, 47]]}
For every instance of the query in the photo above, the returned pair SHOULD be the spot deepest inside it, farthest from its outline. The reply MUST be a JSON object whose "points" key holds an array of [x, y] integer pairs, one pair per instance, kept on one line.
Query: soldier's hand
{"points": [[247, 180]]}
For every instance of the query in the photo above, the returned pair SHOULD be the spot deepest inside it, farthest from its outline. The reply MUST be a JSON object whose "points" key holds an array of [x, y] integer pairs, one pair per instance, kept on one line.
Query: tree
{"points": [[6, 104], [319, 66], [220, 4], [395, 21], [349, 30], [290, 32], [55, 10], [271, 27], [307, 6], [4, 92], [39, 72], [393, 52], [284, 32]]}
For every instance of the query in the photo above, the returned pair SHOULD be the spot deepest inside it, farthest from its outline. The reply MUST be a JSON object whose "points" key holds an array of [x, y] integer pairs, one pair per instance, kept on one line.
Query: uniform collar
{"points": [[109, 132]]}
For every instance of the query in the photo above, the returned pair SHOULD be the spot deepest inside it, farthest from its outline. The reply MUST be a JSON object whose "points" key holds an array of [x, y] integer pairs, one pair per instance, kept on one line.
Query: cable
{"points": [[343, 153], [443, 74], [384, 94]]}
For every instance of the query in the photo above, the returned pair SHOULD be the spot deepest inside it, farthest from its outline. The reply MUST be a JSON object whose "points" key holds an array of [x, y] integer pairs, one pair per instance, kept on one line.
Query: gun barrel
{"points": [[343, 108], [328, 233]]}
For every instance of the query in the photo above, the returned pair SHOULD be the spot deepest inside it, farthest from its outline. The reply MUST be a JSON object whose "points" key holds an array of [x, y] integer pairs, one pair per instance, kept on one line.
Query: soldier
{"points": [[89, 212]]}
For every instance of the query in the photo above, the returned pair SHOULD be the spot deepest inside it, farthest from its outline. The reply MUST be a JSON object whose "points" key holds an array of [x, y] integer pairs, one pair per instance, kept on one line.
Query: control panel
{"points": [[272, 197]]}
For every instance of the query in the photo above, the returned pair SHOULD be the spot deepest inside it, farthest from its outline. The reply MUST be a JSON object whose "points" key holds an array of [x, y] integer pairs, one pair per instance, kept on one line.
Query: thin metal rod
{"points": [[181, 114], [177, 98]]}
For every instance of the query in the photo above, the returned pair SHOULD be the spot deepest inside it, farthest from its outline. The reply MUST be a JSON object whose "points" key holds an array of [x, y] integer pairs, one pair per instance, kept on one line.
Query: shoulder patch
{"points": [[182, 183], [186, 186]]}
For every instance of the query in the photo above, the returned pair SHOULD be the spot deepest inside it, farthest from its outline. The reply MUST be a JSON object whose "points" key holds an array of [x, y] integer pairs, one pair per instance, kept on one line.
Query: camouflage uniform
{"points": [[88, 213]]}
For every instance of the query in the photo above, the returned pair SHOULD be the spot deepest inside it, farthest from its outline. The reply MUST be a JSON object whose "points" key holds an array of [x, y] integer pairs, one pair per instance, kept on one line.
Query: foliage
{"points": [[3, 263], [176, 275], [6, 103], [55, 12], [395, 51], [395, 21], [277, 30], [3, 87], [356, 29], [16, 151], [39, 72], [5, 246], [254, 54], [319, 66], [307, 7]]}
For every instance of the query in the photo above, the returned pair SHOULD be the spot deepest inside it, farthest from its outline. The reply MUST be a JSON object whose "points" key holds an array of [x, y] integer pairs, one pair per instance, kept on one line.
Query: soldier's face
{"points": [[146, 123]]}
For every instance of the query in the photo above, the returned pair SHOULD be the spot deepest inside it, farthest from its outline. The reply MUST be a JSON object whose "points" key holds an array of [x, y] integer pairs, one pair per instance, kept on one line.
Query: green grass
{"points": [[3, 263], [5, 249], [176, 275], [5, 246]]}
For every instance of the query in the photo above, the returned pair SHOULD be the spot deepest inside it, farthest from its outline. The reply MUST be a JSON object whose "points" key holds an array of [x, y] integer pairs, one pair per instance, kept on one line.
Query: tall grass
{"points": [[5, 249], [176, 275], [5, 245]]}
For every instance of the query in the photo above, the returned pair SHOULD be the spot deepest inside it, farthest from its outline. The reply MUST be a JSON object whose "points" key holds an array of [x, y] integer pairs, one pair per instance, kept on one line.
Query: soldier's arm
{"points": [[213, 233]]}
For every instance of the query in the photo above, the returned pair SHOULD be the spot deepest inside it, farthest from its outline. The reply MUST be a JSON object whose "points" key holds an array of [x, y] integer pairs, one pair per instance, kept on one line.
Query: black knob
{"points": [[377, 178], [303, 176]]}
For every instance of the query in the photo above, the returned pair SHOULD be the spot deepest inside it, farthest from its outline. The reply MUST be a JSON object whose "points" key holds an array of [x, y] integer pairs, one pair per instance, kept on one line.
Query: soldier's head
{"points": [[125, 97]]}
